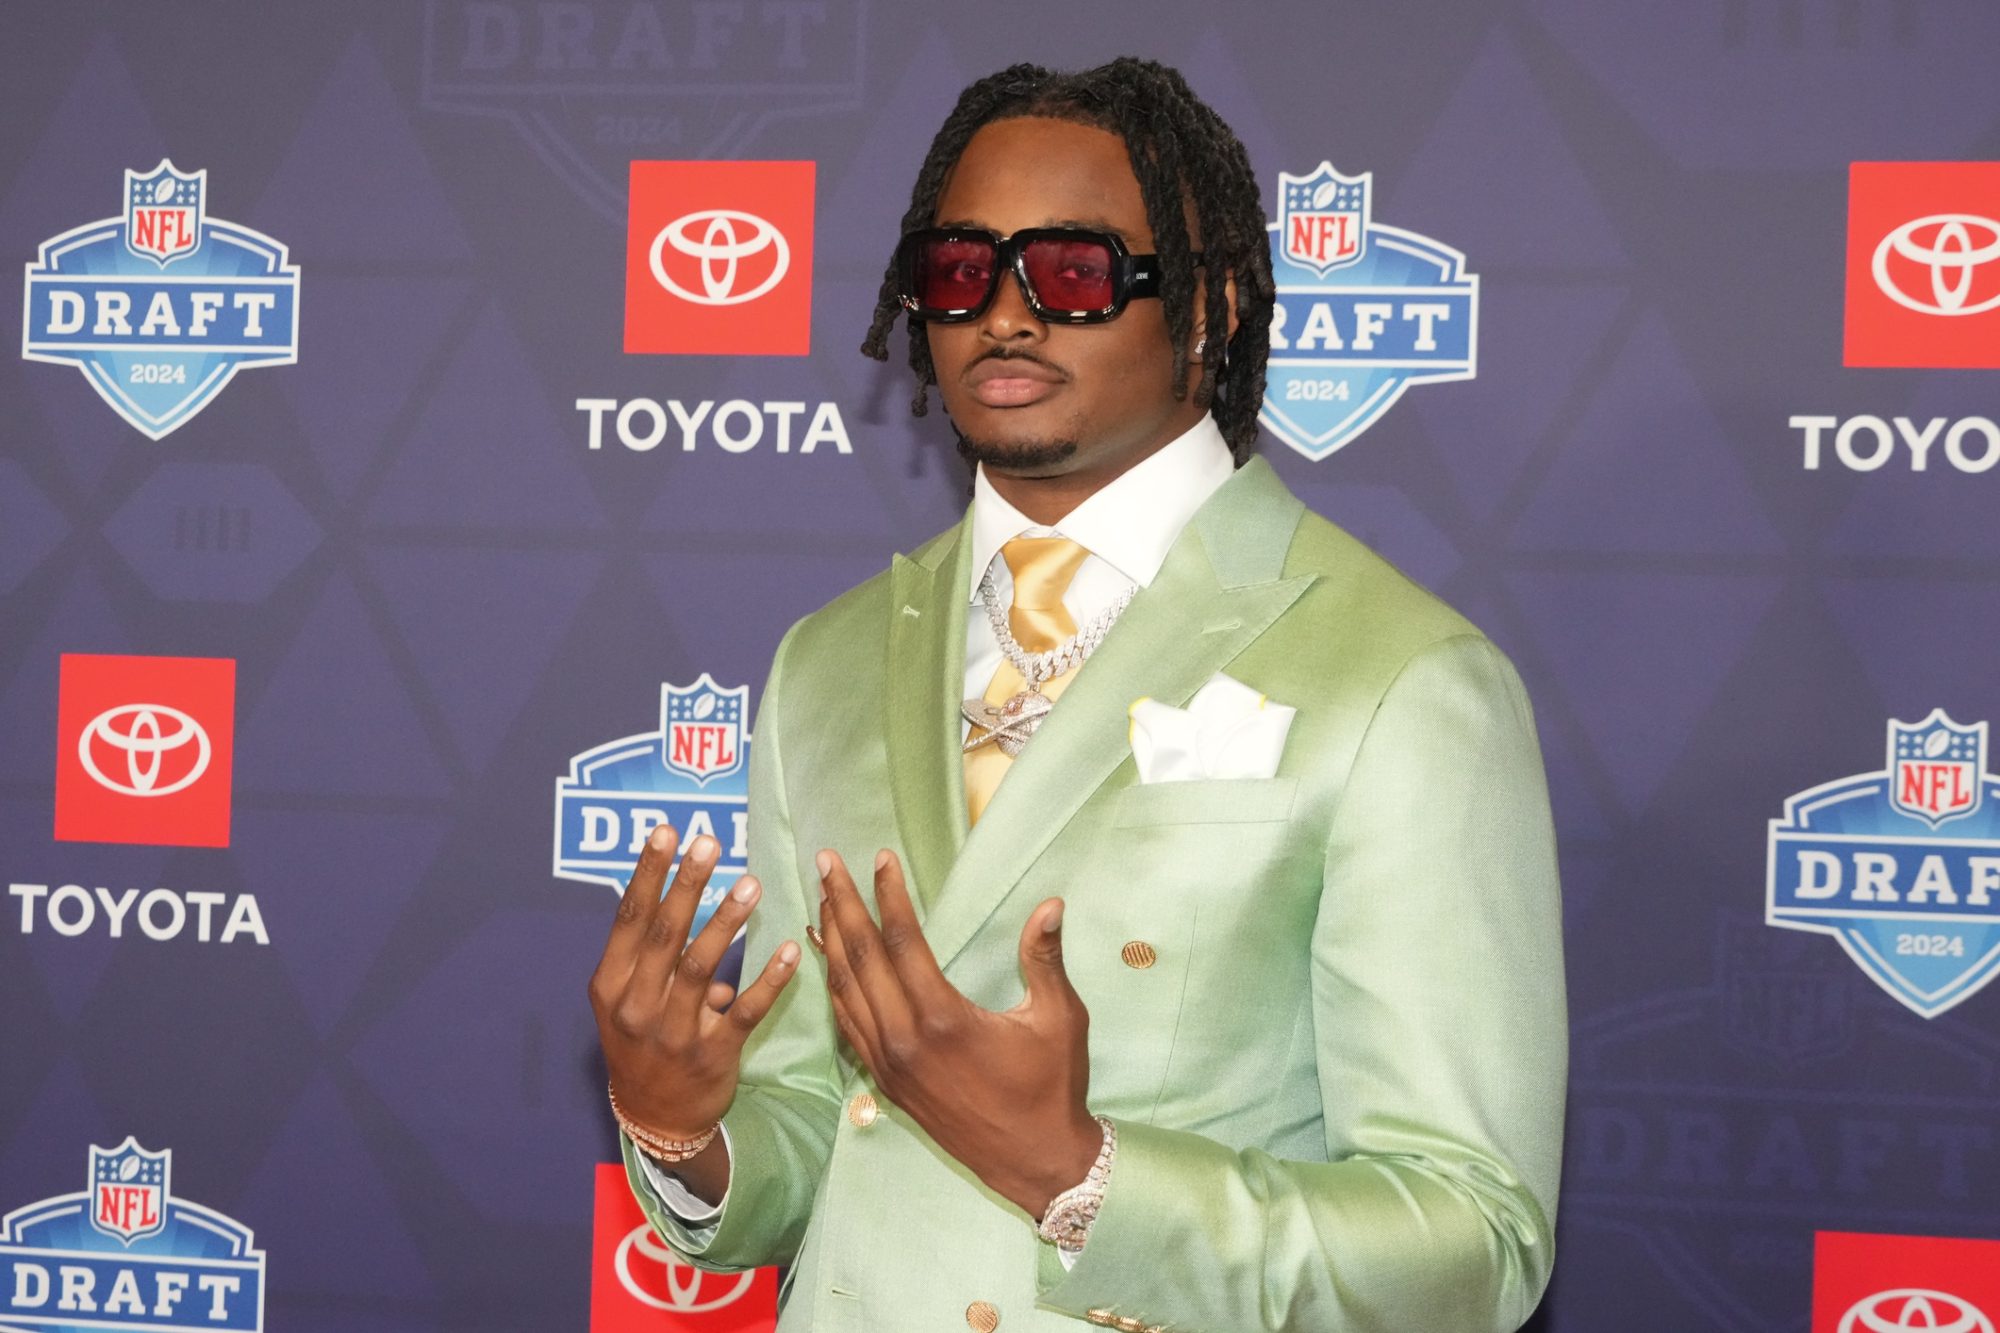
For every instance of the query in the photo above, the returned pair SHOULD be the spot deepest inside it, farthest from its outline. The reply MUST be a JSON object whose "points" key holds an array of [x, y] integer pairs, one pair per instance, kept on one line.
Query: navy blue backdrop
{"points": [[1704, 441]]}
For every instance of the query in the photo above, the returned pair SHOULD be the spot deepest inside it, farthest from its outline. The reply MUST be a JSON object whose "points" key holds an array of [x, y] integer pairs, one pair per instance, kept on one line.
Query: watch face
{"points": [[1068, 1224]]}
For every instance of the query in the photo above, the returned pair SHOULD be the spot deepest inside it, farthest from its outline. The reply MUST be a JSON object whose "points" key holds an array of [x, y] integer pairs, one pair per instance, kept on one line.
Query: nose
{"points": [[1008, 318]]}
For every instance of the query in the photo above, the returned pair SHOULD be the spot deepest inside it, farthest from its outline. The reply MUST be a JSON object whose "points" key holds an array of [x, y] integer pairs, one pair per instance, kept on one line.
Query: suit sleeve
{"points": [[781, 1124], [1441, 1039]]}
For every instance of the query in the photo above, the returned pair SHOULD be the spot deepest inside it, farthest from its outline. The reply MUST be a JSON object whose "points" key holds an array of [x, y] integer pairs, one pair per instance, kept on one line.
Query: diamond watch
{"points": [[1066, 1224]]}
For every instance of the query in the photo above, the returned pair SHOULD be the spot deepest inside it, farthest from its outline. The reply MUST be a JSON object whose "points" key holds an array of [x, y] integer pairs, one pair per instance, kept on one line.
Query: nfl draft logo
{"points": [[692, 772], [1363, 312], [589, 88], [162, 305], [127, 1254], [1902, 866]]}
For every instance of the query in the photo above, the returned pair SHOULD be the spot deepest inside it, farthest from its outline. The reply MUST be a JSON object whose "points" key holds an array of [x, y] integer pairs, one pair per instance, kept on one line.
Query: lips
{"points": [[1012, 382]]}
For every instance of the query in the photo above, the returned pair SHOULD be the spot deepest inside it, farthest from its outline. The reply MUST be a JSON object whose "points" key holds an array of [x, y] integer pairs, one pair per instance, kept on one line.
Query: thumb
{"points": [[1042, 955]]}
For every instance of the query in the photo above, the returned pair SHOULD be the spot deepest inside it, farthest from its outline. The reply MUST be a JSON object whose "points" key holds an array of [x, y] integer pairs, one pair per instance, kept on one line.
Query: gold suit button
{"points": [[1139, 954], [1102, 1318], [862, 1111], [982, 1317]]}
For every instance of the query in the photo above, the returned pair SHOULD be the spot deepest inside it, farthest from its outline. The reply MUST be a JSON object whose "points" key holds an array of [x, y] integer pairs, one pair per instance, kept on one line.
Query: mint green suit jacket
{"points": [[1338, 1092]]}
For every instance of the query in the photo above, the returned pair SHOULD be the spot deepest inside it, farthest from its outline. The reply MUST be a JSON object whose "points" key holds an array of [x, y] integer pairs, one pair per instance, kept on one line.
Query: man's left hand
{"points": [[1004, 1093]]}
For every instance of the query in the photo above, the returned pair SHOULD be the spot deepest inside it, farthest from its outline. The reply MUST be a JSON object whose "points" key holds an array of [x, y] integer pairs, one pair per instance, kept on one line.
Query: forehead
{"points": [[1034, 171]]}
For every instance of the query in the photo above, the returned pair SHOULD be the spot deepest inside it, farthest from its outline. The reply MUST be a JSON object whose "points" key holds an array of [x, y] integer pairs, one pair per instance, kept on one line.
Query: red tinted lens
{"points": [[1070, 274], [953, 274]]}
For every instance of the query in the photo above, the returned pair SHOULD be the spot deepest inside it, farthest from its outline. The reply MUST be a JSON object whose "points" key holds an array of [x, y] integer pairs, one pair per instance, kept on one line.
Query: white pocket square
{"points": [[1228, 730]]}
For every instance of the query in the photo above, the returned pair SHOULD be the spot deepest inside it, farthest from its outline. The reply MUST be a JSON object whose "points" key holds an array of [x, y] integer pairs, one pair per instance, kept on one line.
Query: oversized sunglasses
{"points": [[1068, 275]]}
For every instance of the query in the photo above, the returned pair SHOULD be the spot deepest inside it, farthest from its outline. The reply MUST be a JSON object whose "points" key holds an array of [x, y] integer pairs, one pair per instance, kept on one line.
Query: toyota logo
{"points": [[727, 237], [1953, 247], [146, 734], [681, 1285], [1914, 1310]]}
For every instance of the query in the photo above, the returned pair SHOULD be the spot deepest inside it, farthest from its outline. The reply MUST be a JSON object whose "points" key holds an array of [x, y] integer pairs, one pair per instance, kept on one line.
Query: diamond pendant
{"points": [[1010, 725]]}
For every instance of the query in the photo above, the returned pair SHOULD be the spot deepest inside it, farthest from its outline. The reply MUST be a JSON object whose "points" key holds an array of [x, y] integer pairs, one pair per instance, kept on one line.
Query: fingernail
{"points": [[703, 849], [660, 839], [1053, 922], [882, 858], [788, 953], [745, 890], [825, 863]]}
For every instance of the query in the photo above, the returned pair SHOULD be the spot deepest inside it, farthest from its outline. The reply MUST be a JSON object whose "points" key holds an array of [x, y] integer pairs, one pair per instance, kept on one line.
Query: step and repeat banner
{"points": [[430, 413]]}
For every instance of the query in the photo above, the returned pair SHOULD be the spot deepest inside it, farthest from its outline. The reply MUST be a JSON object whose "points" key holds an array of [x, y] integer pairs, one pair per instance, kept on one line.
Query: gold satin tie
{"points": [[1042, 569]]}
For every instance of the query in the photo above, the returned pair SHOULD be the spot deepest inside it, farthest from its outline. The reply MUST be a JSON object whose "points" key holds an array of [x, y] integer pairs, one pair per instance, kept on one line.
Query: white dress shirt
{"points": [[1128, 526]]}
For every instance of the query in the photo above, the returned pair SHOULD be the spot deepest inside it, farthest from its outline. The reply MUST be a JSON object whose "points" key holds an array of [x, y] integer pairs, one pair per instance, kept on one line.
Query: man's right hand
{"points": [[672, 1048]]}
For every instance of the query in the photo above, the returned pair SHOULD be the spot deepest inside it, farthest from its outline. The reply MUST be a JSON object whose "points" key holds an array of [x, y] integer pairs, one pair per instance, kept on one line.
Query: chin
{"points": [[1027, 456]]}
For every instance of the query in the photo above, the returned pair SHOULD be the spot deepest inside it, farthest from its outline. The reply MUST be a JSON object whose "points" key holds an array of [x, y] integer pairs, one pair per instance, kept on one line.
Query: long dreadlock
{"points": [[1180, 149]]}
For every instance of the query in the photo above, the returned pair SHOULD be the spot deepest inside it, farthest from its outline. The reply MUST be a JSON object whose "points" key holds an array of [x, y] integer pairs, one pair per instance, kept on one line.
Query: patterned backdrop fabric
{"points": [[430, 416]]}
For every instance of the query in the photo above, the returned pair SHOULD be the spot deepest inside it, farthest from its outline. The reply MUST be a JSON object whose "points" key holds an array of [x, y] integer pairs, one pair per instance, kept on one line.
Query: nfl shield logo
{"points": [[1323, 218], [1934, 767], [1784, 999], [163, 212], [702, 725], [128, 1190]]}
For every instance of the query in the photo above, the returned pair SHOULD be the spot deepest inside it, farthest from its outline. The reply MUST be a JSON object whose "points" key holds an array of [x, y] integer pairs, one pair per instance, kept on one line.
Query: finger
{"points": [[863, 953], [661, 942], [850, 1007], [903, 941], [757, 998], [1042, 958], [696, 968], [860, 1043], [719, 995], [635, 909]]}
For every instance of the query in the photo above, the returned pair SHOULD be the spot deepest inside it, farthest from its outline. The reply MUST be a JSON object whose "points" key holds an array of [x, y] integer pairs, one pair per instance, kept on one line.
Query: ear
{"points": [[1200, 329]]}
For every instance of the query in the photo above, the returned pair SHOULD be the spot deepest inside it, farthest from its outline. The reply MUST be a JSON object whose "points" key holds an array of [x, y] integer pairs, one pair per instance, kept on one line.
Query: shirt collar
{"points": [[1131, 522]]}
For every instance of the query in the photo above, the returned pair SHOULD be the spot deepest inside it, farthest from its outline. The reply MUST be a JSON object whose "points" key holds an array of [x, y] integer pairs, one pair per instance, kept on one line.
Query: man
{"points": [[1141, 1017]]}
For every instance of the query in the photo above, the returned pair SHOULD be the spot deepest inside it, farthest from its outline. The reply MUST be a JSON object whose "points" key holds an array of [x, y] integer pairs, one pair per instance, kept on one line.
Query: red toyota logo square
{"points": [[1865, 1284], [638, 1285], [144, 748], [1923, 264], [719, 258]]}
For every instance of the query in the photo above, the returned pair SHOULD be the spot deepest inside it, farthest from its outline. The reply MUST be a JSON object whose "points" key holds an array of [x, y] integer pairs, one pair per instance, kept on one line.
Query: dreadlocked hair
{"points": [[1180, 150]]}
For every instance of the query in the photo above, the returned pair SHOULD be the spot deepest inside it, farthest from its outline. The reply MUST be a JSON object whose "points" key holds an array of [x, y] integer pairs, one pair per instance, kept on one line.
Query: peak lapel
{"points": [[926, 675], [1217, 592]]}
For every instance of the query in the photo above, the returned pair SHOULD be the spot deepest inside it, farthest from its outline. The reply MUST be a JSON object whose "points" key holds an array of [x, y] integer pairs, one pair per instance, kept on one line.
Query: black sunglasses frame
{"points": [[1132, 276]]}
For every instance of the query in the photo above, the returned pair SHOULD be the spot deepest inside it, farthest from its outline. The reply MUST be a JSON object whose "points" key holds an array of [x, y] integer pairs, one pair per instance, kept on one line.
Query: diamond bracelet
{"points": [[655, 1146]]}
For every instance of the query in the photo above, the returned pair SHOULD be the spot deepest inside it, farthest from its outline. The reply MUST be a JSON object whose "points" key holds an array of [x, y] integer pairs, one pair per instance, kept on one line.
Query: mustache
{"points": [[1010, 354]]}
